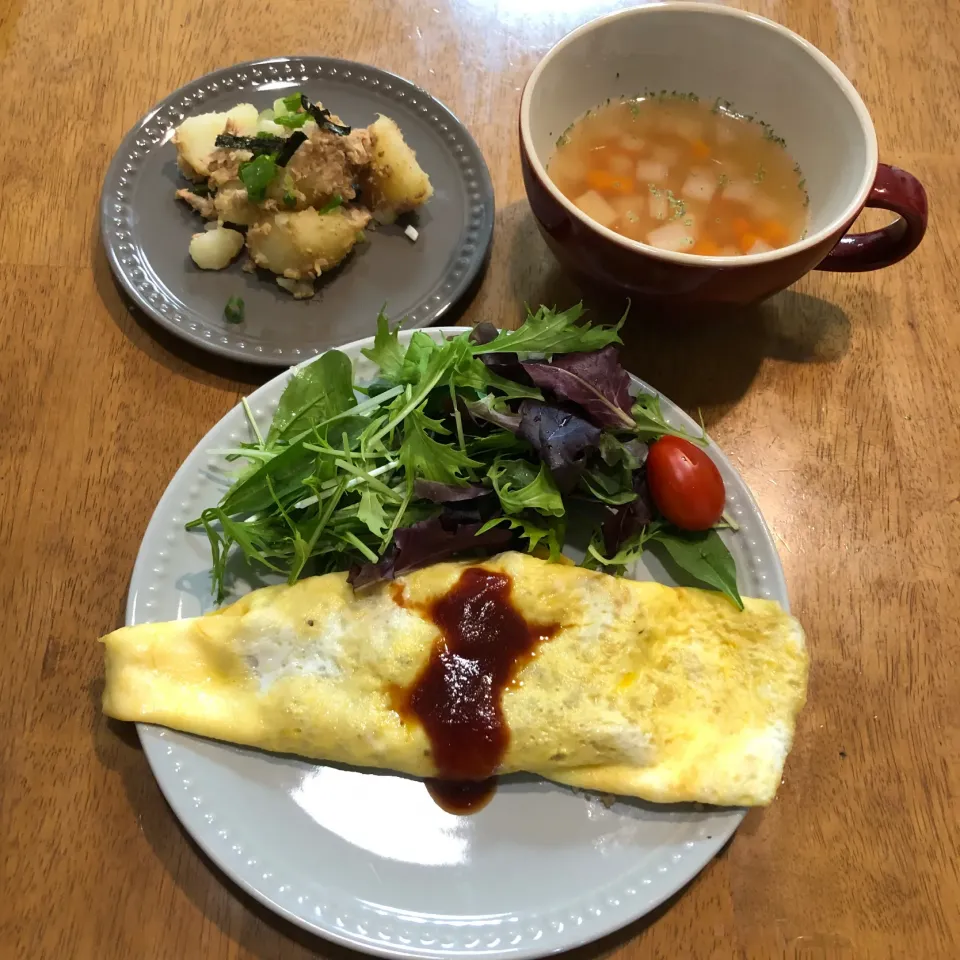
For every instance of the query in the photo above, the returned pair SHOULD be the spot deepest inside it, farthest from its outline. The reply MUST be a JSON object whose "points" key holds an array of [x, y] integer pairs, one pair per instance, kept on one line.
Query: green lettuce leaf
{"points": [[520, 487], [538, 530], [386, 351], [316, 392], [650, 423], [370, 511], [474, 374], [704, 556], [548, 332], [424, 458]]}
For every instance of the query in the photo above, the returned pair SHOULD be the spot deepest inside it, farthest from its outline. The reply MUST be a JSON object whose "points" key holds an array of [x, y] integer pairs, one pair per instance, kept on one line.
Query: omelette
{"points": [[462, 671]]}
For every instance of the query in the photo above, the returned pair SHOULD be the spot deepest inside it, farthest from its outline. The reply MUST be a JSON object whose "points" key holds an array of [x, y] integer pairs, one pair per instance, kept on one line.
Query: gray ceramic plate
{"points": [[368, 859], [146, 232]]}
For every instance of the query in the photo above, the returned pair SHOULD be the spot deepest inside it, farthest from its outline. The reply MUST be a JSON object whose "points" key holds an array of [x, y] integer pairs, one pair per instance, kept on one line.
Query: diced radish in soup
{"points": [[652, 171], [595, 207], [631, 216], [699, 185], [634, 204], [680, 175], [659, 205], [666, 155], [740, 191], [620, 164], [569, 166], [764, 207], [676, 236], [687, 127]]}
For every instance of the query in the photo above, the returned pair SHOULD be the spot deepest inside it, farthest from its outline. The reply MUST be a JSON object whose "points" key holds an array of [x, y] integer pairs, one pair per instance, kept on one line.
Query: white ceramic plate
{"points": [[368, 859]]}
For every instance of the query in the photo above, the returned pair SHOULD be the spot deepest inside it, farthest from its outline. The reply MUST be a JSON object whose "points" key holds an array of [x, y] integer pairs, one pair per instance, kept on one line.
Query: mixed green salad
{"points": [[472, 445]]}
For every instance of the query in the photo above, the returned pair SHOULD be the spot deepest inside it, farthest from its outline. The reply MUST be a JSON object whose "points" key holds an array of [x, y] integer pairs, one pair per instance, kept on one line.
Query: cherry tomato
{"points": [[685, 484]]}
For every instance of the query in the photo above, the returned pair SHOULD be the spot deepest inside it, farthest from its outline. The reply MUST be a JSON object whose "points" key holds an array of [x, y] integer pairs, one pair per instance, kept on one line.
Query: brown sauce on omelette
{"points": [[485, 641]]}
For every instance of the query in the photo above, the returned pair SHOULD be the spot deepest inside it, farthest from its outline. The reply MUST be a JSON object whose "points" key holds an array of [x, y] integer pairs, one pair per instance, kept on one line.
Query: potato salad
{"points": [[293, 185]]}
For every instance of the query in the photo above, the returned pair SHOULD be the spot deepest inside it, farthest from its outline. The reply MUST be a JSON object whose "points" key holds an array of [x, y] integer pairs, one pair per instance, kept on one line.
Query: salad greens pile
{"points": [[476, 444]]}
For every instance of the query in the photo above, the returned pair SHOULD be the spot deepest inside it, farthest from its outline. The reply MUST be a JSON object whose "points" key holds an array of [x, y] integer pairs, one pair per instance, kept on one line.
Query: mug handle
{"points": [[900, 192]]}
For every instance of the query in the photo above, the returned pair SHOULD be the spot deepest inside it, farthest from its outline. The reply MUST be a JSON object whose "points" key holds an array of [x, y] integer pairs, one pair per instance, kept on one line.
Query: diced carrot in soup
{"points": [[606, 182], [773, 232], [706, 247], [673, 173], [700, 149]]}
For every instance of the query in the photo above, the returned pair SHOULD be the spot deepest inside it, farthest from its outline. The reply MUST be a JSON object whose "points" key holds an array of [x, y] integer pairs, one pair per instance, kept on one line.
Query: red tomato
{"points": [[685, 484]]}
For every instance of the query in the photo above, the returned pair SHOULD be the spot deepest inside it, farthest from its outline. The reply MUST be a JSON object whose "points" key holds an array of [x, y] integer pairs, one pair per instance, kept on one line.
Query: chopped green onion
{"points": [[257, 174], [289, 198], [292, 121], [234, 310], [332, 204]]}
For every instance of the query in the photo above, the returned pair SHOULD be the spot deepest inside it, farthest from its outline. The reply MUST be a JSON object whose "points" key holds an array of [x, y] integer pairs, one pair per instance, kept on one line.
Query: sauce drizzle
{"points": [[457, 696]]}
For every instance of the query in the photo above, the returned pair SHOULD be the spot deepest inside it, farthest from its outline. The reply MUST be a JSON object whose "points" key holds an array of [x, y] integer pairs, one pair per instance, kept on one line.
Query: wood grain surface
{"points": [[839, 400]]}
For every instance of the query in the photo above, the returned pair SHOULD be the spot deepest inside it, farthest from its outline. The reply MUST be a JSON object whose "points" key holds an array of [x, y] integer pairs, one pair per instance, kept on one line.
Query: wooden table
{"points": [[839, 400]]}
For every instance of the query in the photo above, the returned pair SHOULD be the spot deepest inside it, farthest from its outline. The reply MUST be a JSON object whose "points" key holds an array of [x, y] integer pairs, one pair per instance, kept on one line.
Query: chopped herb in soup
{"points": [[682, 176]]}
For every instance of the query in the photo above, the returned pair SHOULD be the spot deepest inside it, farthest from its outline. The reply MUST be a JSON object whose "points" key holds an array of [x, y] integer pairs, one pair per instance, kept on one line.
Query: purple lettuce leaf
{"points": [[431, 541], [483, 332], [563, 440], [504, 364], [507, 365], [623, 522], [594, 381], [448, 492]]}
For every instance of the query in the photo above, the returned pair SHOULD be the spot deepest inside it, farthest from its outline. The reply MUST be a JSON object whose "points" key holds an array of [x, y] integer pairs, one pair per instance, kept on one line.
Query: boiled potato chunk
{"points": [[214, 249], [243, 119], [195, 138], [396, 179], [303, 244]]}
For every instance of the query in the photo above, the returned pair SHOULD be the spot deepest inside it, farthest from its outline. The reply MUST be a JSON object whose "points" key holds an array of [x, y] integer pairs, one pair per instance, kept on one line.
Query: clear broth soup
{"points": [[679, 175]]}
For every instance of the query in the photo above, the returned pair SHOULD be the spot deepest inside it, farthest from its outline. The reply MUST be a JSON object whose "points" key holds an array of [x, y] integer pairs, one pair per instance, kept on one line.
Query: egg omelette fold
{"points": [[667, 694]]}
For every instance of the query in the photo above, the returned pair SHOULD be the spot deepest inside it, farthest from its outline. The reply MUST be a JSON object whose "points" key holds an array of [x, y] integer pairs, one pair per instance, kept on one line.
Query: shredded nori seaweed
{"points": [[258, 146], [290, 146], [322, 116], [281, 148]]}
